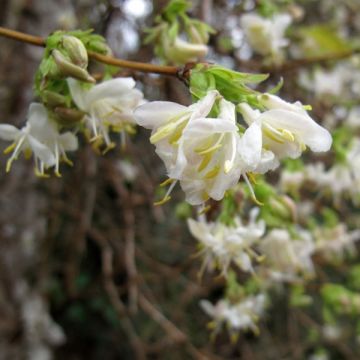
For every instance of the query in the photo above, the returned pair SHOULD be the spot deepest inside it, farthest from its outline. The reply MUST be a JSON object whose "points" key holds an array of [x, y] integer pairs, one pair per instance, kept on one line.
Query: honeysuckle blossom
{"points": [[286, 257], [199, 151], [241, 316], [167, 120], [223, 245], [41, 137], [108, 106], [266, 35], [336, 242], [286, 128], [179, 51]]}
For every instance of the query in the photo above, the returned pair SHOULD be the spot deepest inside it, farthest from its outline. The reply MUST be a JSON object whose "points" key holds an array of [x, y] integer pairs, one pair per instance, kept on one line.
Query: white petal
{"points": [[8, 132], [311, 133], [68, 141], [197, 229], [111, 89], [249, 114], [78, 94], [227, 110], [37, 116], [250, 145], [271, 101], [208, 126], [156, 113], [41, 151], [204, 106]]}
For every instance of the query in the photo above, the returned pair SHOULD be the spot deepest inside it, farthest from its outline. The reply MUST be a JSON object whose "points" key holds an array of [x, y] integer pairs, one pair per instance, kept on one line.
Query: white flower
{"points": [[26, 139], [40, 135], [291, 180], [241, 316], [180, 51], [334, 243], [223, 245], [286, 128], [167, 120], [353, 117], [109, 106], [201, 152], [209, 147], [266, 36], [324, 83], [287, 256]]}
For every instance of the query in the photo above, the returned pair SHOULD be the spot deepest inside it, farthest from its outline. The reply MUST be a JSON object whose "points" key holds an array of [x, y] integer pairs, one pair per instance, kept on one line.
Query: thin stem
{"points": [[17, 35], [135, 65]]}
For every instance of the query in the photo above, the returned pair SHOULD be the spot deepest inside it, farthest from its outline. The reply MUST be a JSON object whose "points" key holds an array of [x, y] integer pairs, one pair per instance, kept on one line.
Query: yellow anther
{"points": [[162, 132], [163, 201], [205, 210], [167, 182], [252, 177], [273, 135], [307, 107], [57, 174], [212, 173], [205, 162], [288, 135], [27, 153], [177, 133], [109, 147], [41, 174], [8, 165], [10, 148], [66, 160]]}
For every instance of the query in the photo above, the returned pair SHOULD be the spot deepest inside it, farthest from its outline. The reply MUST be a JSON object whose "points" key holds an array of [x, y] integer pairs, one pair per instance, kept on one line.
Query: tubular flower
{"points": [[266, 36], [168, 122], [109, 106], [286, 128], [179, 51], [223, 245], [39, 136], [241, 316], [208, 147], [287, 256]]}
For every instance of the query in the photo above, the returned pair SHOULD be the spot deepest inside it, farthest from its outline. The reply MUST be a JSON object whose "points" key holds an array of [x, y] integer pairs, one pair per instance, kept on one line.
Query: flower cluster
{"points": [[240, 316], [223, 245], [41, 137], [208, 154], [266, 35], [105, 107]]}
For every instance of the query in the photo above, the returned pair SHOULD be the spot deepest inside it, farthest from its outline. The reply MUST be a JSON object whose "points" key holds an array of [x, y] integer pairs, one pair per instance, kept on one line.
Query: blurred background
{"points": [[89, 268]]}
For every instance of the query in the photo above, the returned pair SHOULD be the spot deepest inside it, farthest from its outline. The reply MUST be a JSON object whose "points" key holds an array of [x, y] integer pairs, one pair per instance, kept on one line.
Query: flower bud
{"points": [[76, 50], [53, 99], [67, 117], [68, 69], [182, 52], [100, 47]]}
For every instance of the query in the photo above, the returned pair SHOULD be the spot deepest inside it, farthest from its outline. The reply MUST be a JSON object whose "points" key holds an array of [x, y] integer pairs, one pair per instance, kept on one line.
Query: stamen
{"points": [[10, 148], [167, 182], [252, 192], [216, 146], [205, 162], [212, 173], [167, 196]]}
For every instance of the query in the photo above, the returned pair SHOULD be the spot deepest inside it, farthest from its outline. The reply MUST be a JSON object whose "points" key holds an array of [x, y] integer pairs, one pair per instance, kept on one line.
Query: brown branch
{"points": [[134, 65]]}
